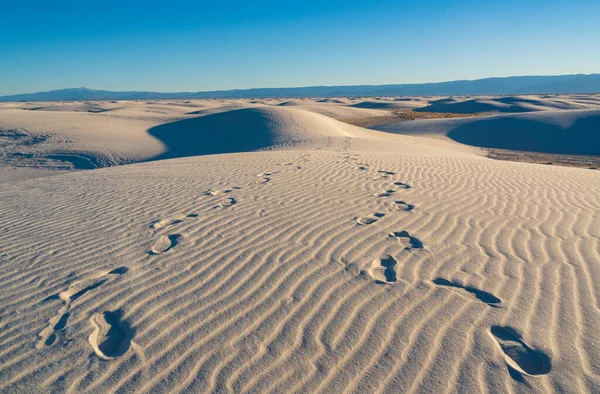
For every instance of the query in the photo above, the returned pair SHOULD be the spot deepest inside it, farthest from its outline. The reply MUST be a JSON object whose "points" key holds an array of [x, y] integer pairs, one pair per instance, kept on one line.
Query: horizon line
{"points": [[300, 87]]}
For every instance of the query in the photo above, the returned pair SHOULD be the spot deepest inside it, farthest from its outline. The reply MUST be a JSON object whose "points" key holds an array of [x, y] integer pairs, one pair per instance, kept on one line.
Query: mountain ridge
{"points": [[572, 83]]}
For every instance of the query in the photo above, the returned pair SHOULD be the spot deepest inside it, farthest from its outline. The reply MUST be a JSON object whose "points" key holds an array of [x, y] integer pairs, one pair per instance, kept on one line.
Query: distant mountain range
{"points": [[577, 83]]}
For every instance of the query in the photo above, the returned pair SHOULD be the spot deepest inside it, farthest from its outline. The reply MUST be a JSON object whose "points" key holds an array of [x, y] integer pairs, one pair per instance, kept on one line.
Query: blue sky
{"points": [[196, 45]]}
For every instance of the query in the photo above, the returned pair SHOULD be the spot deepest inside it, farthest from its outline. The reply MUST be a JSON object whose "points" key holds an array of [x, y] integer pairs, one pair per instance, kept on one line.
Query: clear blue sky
{"points": [[197, 45]]}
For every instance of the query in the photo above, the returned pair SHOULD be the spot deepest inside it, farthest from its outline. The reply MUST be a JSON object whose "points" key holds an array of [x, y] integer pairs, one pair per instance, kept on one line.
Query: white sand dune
{"points": [[511, 104], [252, 129], [335, 100], [337, 108], [407, 104], [329, 259], [563, 132], [39, 143]]}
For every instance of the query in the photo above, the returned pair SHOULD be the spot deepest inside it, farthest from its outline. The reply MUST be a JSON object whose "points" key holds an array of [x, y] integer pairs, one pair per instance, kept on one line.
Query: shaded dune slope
{"points": [[249, 129], [510, 104], [569, 132], [396, 104], [227, 132], [531, 134]]}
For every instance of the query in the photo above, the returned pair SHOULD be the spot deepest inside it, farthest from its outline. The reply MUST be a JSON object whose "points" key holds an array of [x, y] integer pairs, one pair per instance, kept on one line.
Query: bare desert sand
{"points": [[267, 246]]}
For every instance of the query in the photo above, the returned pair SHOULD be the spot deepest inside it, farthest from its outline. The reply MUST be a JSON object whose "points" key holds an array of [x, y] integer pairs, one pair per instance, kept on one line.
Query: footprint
{"points": [[402, 185], [78, 289], [158, 224], [217, 192], [481, 295], [263, 174], [383, 270], [119, 271], [403, 206], [406, 239], [49, 335], [57, 324], [111, 338], [165, 243], [362, 168], [366, 220], [162, 223], [518, 355], [263, 180], [227, 202], [386, 193], [386, 172], [62, 322], [369, 219]]}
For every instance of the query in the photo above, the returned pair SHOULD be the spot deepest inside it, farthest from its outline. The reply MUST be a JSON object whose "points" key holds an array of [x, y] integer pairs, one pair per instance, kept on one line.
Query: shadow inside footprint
{"points": [[216, 192], [518, 355], [227, 202], [81, 292], [111, 337], [365, 220], [62, 322], [165, 243], [119, 271], [51, 297], [481, 295], [383, 194], [50, 340], [162, 223], [383, 270], [402, 185], [405, 238], [403, 206]]}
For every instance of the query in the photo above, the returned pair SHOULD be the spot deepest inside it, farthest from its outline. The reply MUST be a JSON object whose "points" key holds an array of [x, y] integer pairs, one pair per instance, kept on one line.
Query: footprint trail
{"points": [[56, 325]]}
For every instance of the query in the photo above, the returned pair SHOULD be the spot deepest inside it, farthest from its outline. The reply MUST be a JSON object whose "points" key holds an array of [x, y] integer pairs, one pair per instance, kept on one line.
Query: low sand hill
{"points": [[336, 109], [392, 104], [560, 132], [329, 259], [41, 142], [511, 104]]}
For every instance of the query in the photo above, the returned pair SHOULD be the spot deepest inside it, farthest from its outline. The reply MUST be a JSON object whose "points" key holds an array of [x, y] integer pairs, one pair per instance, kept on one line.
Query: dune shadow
{"points": [[235, 131], [373, 105], [524, 134], [79, 161], [472, 106]]}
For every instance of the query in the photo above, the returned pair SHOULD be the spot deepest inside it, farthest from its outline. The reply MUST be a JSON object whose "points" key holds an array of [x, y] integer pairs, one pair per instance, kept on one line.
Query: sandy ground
{"points": [[259, 247]]}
